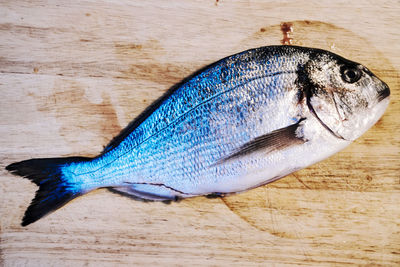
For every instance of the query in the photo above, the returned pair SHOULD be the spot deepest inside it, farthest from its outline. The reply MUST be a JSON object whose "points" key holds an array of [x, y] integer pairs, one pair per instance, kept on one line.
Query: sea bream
{"points": [[239, 123]]}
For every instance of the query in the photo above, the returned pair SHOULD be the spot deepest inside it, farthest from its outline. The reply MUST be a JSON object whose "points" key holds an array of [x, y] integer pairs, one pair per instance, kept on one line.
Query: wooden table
{"points": [[74, 73]]}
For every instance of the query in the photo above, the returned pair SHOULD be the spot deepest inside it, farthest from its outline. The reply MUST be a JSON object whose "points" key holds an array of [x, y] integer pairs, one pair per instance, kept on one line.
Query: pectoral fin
{"points": [[273, 141]]}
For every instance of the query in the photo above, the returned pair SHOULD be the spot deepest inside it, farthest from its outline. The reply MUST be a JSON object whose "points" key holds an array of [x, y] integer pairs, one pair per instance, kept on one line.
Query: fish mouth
{"points": [[383, 93]]}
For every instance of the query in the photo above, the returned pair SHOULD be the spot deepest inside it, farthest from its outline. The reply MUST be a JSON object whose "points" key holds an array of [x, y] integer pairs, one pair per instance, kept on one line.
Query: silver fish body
{"points": [[239, 123]]}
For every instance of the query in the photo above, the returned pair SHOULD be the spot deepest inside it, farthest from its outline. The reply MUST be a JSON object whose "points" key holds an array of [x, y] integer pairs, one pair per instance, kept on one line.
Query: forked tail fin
{"points": [[55, 187]]}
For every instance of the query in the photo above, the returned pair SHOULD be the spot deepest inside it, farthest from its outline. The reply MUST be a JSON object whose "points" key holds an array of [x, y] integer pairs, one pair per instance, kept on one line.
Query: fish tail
{"points": [[56, 186]]}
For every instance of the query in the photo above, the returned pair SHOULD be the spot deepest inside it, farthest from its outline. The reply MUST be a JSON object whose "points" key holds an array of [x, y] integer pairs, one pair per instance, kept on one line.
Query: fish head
{"points": [[345, 96]]}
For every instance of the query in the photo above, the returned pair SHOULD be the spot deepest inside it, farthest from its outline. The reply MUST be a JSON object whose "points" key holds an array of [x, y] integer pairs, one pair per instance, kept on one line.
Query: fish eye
{"points": [[350, 74]]}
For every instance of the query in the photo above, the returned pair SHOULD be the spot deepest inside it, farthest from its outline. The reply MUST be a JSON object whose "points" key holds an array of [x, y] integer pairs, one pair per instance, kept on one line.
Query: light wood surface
{"points": [[74, 73]]}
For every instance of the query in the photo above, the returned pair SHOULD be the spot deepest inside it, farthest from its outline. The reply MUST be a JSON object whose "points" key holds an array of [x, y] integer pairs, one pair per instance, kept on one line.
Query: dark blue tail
{"points": [[54, 191]]}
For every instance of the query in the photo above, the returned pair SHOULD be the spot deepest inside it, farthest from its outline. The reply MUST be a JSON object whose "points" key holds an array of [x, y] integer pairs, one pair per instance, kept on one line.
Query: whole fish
{"points": [[239, 123]]}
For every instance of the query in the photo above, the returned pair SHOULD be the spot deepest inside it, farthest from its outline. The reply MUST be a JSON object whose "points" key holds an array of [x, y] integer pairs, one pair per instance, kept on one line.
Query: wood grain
{"points": [[73, 74]]}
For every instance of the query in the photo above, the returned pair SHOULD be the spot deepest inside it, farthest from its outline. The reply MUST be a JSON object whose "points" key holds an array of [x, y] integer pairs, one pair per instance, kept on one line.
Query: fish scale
{"points": [[210, 85], [227, 136], [205, 86], [239, 123]]}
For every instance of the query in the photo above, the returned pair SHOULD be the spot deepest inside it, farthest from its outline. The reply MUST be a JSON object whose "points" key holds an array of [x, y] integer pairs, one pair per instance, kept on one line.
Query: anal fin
{"points": [[148, 191]]}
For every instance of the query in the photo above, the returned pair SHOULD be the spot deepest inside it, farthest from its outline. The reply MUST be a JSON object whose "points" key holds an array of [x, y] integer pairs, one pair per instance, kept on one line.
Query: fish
{"points": [[236, 124]]}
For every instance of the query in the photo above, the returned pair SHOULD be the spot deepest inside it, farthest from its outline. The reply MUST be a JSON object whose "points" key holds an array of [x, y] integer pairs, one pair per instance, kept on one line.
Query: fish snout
{"points": [[384, 92]]}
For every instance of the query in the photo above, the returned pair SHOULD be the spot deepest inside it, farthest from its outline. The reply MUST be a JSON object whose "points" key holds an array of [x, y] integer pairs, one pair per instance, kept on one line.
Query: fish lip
{"points": [[384, 93]]}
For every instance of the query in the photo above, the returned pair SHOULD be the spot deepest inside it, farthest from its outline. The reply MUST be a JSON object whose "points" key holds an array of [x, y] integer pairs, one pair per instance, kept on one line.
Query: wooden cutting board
{"points": [[74, 73]]}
